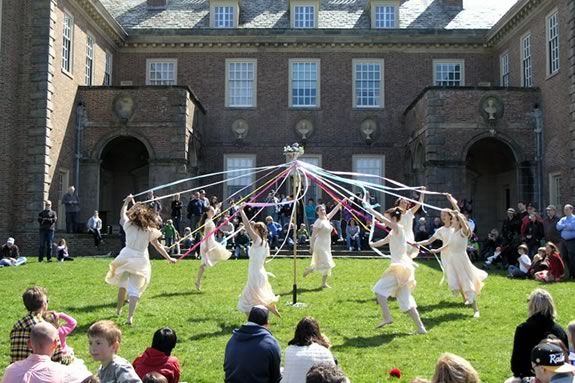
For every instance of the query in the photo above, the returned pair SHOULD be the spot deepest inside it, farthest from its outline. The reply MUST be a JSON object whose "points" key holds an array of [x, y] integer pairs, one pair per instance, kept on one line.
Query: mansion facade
{"points": [[114, 96]]}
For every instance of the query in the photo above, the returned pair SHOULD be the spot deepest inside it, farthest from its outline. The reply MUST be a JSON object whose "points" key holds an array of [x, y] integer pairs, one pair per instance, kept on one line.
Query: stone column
{"points": [[89, 188], [571, 54]]}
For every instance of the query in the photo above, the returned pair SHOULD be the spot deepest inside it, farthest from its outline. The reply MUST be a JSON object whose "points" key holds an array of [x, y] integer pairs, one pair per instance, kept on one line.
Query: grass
{"points": [[347, 313]]}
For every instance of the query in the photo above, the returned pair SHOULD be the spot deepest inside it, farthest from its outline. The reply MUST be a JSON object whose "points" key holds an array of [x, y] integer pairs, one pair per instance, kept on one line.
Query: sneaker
{"points": [[351, 249]]}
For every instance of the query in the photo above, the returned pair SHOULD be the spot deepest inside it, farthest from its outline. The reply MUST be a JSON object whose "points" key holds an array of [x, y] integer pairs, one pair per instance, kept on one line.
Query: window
{"points": [[67, 45], [304, 83], [108, 69], [223, 17], [526, 69], [238, 180], [384, 16], [313, 190], [504, 69], [89, 69], [555, 189], [448, 72], [304, 16], [553, 43], [162, 72], [372, 165], [368, 83], [241, 83]]}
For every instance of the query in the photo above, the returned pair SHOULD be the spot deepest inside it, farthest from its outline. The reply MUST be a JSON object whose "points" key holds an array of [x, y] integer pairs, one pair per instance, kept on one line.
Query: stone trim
{"points": [[100, 15], [510, 20]]}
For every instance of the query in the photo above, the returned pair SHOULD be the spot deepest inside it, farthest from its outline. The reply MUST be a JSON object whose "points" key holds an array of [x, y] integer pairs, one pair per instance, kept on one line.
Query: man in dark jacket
{"points": [[253, 354], [47, 220], [195, 210]]}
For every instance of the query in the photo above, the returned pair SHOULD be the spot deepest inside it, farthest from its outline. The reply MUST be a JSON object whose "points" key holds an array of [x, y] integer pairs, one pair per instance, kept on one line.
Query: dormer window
{"points": [[224, 14], [384, 14], [304, 14]]}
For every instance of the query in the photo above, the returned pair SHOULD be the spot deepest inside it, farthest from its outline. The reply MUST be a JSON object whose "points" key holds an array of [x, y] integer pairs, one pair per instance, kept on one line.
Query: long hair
{"points": [[261, 230], [451, 368], [541, 302], [143, 216], [307, 332], [395, 212], [398, 202], [204, 217], [552, 246]]}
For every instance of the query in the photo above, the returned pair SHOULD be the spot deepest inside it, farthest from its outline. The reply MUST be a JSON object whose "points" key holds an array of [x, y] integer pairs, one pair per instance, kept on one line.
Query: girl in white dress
{"points": [[131, 270], [399, 279], [320, 244], [258, 290], [407, 222], [462, 276], [211, 251]]}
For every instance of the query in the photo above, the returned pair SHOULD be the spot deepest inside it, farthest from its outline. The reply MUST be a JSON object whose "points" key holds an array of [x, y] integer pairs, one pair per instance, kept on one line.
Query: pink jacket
{"points": [[66, 329]]}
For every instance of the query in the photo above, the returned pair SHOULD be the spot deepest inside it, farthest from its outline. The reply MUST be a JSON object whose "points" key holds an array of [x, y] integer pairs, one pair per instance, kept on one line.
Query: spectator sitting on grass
{"points": [[550, 365], [274, 231], [352, 235], [571, 337], [62, 251], [325, 373], [556, 266], [495, 258], [154, 377], [452, 368], [10, 254], [524, 264], [302, 234], [539, 262], [158, 357], [54, 318]]}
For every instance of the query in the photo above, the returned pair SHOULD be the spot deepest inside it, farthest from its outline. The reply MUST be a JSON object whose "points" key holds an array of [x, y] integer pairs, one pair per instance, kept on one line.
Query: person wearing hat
{"points": [[550, 365], [524, 264], [10, 254], [252, 353]]}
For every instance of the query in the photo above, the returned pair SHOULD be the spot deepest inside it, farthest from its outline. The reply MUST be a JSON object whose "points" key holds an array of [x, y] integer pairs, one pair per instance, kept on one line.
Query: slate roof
{"points": [[333, 14]]}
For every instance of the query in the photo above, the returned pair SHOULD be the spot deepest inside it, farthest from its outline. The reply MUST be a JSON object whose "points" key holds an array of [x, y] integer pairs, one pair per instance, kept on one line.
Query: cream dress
{"points": [[461, 274], [258, 290], [211, 250], [133, 262], [399, 279], [407, 222], [321, 259]]}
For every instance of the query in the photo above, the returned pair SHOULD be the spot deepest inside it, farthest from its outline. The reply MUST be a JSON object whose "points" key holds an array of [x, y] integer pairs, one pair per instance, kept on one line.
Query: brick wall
{"points": [[571, 55]]}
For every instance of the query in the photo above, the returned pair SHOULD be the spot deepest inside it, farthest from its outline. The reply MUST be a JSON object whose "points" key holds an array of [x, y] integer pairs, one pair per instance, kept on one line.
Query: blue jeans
{"points": [[516, 272], [46, 239], [337, 225], [353, 242], [241, 249]]}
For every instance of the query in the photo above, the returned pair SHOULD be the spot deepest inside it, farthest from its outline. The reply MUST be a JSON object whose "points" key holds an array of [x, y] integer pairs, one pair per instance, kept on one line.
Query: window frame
{"points": [[89, 76], [548, 39], [526, 82], [222, 3], [381, 63], [313, 188], [254, 87], [504, 60], [108, 68], [376, 4], [354, 160], [151, 61], [318, 83], [555, 188], [70, 59], [296, 4], [227, 156], [461, 62]]}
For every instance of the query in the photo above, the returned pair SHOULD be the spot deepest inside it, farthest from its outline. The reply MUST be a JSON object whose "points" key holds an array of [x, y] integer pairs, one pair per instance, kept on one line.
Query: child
{"points": [[302, 234], [63, 331], [571, 336], [524, 263], [274, 230], [556, 266], [62, 251], [170, 234], [188, 242], [157, 358], [104, 339], [242, 242], [155, 377], [539, 263], [496, 257]]}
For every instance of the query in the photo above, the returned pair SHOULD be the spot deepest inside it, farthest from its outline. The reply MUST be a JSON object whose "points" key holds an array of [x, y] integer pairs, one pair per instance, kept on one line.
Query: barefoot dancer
{"points": [[258, 290], [320, 244], [211, 250], [131, 269], [399, 279]]}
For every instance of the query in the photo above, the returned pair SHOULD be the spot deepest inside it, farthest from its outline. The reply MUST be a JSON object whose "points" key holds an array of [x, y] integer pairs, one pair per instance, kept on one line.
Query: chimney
{"points": [[157, 4], [452, 5]]}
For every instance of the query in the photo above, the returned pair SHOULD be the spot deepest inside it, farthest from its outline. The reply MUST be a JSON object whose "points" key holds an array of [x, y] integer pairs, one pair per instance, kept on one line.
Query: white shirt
{"points": [[299, 359], [524, 263]]}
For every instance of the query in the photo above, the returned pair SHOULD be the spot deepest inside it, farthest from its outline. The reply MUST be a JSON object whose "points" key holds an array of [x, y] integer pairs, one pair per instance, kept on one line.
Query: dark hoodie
{"points": [[527, 335], [253, 355]]}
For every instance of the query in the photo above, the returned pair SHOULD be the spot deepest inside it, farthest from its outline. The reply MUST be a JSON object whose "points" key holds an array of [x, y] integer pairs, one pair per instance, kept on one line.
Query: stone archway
{"points": [[491, 181], [124, 169]]}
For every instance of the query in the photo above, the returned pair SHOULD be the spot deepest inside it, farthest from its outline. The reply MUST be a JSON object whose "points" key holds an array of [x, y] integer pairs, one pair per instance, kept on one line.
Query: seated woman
{"points": [[308, 348], [352, 235], [452, 368], [539, 263], [556, 265]]}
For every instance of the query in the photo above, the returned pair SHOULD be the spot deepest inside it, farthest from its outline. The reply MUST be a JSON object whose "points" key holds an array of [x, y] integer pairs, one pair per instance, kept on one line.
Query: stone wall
{"points": [[571, 141]]}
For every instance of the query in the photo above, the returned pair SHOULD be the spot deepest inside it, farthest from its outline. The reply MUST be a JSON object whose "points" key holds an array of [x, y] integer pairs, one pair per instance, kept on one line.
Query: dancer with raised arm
{"points": [[462, 276], [407, 222], [398, 280], [258, 290], [131, 270], [320, 244], [211, 251]]}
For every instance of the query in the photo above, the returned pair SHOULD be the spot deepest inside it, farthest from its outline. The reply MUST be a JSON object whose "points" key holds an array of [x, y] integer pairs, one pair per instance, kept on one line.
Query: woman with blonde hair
{"points": [[541, 323], [131, 270], [451, 368]]}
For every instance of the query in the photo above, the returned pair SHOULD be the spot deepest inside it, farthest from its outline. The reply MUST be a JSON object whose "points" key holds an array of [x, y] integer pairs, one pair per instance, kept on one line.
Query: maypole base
{"points": [[297, 304]]}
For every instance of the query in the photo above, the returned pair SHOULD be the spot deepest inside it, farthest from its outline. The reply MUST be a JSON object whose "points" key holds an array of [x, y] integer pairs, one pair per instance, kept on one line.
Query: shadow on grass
{"points": [[448, 317], [300, 290], [368, 342], [177, 294], [90, 308], [439, 305], [225, 329]]}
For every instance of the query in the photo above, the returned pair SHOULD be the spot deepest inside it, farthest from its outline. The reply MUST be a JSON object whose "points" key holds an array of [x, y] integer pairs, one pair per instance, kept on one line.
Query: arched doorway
{"points": [[490, 182], [124, 169]]}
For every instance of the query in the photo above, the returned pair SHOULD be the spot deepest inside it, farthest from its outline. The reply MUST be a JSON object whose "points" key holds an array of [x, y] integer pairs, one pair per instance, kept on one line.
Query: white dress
{"points": [[211, 250], [299, 359], [407, 222], [399, 279], [258, 290], [321, 259], [133, 260], [461, 274]]}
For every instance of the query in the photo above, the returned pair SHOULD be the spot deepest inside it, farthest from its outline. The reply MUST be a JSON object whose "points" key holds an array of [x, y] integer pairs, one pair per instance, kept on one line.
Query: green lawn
{"points": [[347, 313]]}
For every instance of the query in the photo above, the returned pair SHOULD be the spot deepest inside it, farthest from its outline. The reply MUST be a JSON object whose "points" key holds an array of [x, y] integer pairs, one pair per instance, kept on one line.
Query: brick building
{"points": [[474, 97]]}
